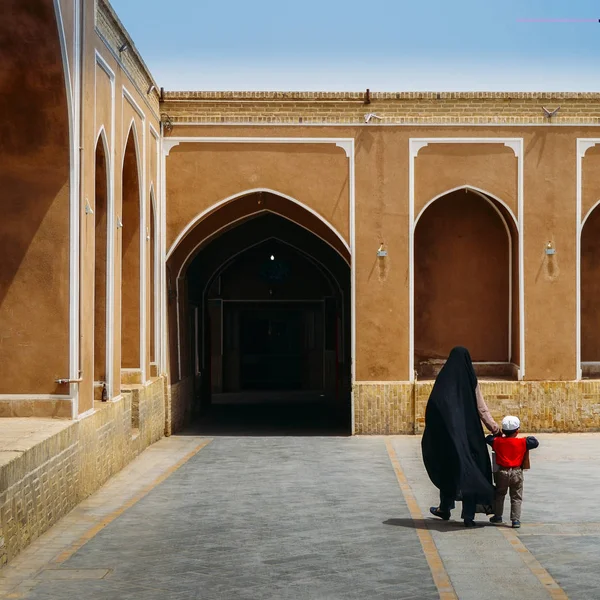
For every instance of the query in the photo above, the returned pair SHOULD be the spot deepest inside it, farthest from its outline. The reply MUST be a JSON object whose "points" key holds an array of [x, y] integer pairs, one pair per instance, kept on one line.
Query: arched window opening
{"points": [[130, 278], [590, 296], [466, 285], [100, 266]]}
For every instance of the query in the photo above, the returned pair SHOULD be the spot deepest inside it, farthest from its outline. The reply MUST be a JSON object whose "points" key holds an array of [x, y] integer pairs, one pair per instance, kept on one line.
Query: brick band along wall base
{"points": [[550, 406], [43, 483]]}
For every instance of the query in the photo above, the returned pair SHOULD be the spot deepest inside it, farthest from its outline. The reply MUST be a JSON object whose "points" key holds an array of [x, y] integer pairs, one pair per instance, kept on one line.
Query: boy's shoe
{"points": [[496, 520], [516, 524], [436, 512]]}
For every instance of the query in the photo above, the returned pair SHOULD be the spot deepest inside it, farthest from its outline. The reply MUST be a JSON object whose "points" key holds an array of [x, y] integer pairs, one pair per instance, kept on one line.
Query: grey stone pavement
{"points": [[312, 518]]}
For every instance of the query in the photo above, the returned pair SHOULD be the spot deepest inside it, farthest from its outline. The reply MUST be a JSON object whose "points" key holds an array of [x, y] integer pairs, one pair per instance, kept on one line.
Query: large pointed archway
{"points": [[36, 203], [259, 319]]}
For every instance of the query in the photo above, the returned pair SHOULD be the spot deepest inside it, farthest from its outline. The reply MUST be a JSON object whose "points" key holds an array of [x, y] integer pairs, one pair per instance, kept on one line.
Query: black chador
{"points": [[454, 448]]}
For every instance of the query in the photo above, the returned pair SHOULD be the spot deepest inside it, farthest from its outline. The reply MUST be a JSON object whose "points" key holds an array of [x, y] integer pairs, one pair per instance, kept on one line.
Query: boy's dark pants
{"points": [[509, 480]]}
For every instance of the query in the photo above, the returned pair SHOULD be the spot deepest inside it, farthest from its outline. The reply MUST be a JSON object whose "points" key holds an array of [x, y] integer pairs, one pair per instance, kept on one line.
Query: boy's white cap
{"points": [[511, 423]]}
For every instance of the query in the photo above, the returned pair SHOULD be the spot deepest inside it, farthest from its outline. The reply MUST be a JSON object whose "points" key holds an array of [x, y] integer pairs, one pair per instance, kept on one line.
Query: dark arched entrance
{"points": [[268, 313]]}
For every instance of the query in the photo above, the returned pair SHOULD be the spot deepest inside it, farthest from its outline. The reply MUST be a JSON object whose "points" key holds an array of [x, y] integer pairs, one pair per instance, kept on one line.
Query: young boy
{"points": [[510, 452]]}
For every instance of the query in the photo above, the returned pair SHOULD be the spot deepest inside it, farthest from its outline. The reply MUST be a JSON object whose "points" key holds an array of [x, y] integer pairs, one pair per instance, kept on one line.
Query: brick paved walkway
{"points": [[314, 518]]}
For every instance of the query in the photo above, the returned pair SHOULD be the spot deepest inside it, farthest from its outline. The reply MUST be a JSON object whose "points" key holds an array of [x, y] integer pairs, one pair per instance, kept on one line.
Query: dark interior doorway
{"points": [[270, 316], [272, 348]]}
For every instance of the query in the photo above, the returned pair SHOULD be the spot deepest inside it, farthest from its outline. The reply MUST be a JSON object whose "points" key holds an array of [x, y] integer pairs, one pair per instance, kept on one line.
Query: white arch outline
{"points": [[73, 111], [483, 193], [489, 199], [588, 215], [242, 194], [348, 145], [191, 255], [102, 138], [132, 129], [580, 362], [582, 146]]}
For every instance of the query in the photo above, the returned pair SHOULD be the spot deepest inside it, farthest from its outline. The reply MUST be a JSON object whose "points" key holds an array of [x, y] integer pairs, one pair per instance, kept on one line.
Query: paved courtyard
{"points": [[313, 518]]}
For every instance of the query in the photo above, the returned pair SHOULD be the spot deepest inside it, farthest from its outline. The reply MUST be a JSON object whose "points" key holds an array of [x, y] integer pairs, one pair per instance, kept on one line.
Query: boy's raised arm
{"points": [[532, 443]]}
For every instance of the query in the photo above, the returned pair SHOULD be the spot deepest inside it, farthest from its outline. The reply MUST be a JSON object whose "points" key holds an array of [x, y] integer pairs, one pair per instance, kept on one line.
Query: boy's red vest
{"points": [[510, 451]]}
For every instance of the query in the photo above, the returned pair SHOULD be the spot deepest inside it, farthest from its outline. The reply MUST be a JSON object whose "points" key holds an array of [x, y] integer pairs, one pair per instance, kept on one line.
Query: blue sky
{"points": [[389, 45]]}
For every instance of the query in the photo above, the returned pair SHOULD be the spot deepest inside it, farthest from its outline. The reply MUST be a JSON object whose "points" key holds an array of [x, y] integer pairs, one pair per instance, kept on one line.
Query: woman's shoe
{"points": [[471, 523], [436, 512]]}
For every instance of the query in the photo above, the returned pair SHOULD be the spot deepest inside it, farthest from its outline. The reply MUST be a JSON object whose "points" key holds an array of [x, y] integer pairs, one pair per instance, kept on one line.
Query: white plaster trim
{"points": [[64, 54], [521, 230], [163, 257], [87, 413], [154, 291], [110, 290], [173, 141], [582, 146], [233, 197], [129, 97], [480, 192], [21, 397], [352, 193], [516, 145], [158, 208], [125, 72], [103, 64], [110, 221], [349, 147], [589, 214], [74, 213]]}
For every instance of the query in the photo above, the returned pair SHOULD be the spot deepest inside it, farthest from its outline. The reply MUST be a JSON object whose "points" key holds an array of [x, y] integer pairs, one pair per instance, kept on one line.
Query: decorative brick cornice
{"points": [[360, 96], [391, 108]]}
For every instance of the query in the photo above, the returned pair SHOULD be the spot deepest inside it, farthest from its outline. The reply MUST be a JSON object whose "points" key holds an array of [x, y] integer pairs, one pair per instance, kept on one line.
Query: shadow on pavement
{"points": [[433, 524], [269, 419]]}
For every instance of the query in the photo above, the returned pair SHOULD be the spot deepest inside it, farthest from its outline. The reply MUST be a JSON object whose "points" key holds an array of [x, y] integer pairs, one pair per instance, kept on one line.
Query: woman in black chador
{"points": [[454, 449]]}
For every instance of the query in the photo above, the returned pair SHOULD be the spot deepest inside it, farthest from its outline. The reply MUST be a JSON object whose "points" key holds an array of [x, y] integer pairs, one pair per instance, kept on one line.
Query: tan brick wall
{"points": [[399, 407], [112, 31], [395, 108], [44, 483], [383, 408], [179, 405]]}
